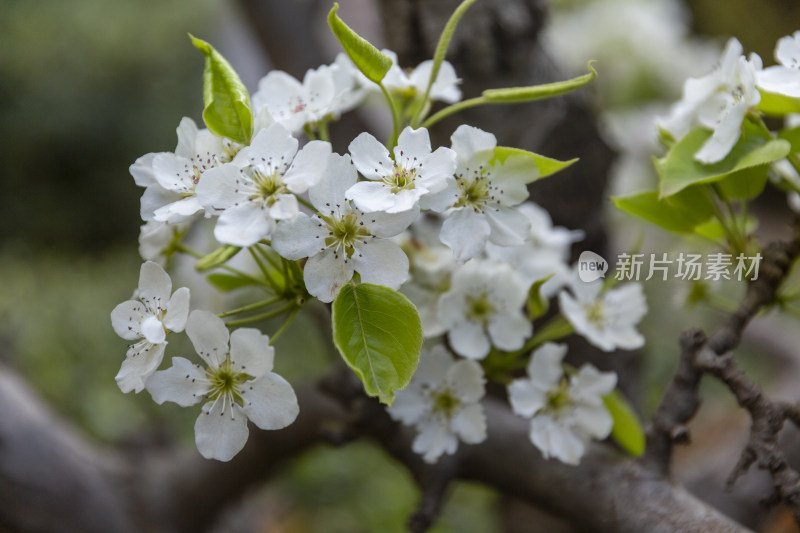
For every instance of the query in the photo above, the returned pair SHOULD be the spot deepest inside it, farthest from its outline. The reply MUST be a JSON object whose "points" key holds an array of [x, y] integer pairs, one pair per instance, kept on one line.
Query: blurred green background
{"points": [[86, 87]]}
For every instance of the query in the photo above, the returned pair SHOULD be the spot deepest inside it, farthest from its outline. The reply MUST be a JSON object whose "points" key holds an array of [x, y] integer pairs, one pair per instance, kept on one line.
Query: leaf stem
{"points": [[263, 316], [395, 117], [449, 110], [250, 307]]}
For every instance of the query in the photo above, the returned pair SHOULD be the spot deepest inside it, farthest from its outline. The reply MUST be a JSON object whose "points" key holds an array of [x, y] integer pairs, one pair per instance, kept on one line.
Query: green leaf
{"points": [[678, 169], [216, 258], [627, 430], [679, 213], [227, 110], [379, 334], [538, 166], [228, 282], [537, 304], [793, 136], [368, 59], [539, 92], [744, 184], [778, 104], [714, 231]]}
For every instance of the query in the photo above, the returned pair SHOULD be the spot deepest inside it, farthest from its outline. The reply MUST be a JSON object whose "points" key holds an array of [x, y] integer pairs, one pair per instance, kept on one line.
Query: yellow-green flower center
{"points": [[269, 186], [595, 313], [346, 232], [226, 381], [445, 403], [559, 398], [479, 308], [473, 193], [401, 178]]}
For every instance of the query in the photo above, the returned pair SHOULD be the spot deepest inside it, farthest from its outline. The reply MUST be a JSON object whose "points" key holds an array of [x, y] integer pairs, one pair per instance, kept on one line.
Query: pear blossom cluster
{"points": [[720, 100], [448, 226]]}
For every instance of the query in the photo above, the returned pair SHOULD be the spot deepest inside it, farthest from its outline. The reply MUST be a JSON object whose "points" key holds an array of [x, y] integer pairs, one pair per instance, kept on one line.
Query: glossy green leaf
{"points": [[793, 136], [679, 213], [744, 184], [679, 169], [228, 282], [539, 166], [778, 104], [627, 430], [227, 110], [537, 304], [216, 258], [368, 59], [539, 92], [379, 334]]}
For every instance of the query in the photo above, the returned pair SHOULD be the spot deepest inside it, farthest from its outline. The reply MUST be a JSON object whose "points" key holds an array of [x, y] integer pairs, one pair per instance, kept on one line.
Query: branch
{"points": [[701, 355]]}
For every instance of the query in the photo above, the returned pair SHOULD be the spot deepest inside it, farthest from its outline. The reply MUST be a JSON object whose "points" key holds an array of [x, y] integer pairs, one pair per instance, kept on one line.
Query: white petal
{"points": [[285, 207], [251, 352], [142, 171], [509, 226], [526, 398], [409, 406], [126, 319], [469, 423], [437, 168], [545, 367], [299, 238], [183, 383], [270, 402], [177, 310], [508, 331], [221, 430], [187, 136], [174, 173], [595, 420], [155, 286], [141, 361], [178, 211], [554, 440], [433, 440], [433, 366], [153, 330], [339, 176], [154, 198], [724, 137], [370, 157], [381, 262], [412, 146], [244, 224], [386, 225], [272, 147], [465, 379], [209, 336], [371, 196], [221, 187], [308, 166], [775, 79], [465, 232], [468, 141], [469, 339], [325, 274], [442, 200]]}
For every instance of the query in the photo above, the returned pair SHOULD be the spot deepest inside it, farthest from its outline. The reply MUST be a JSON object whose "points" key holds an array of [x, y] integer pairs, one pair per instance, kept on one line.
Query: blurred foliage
{"points": [[86, 87], [358, 488]]}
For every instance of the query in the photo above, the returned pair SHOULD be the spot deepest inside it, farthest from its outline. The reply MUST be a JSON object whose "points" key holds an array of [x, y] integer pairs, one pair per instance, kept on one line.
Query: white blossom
{"points": [[443, 403], [170, 178], [259, 186], [784, 78], [606, 319], [545, 254], [479, 200], [719, 102], [341, 239], [565, 412], [237, 384], [147, 320], [483, 308], [323, 91], [155, 239], [396, 184]]}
